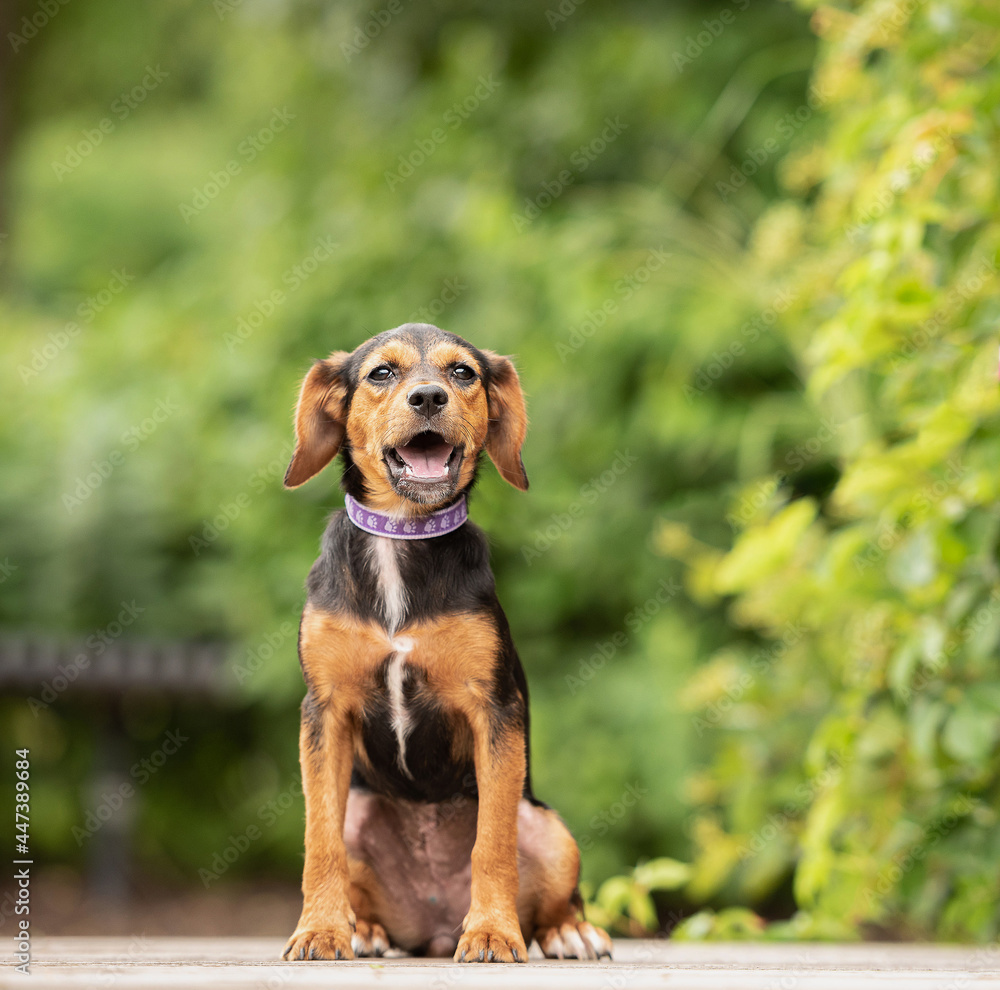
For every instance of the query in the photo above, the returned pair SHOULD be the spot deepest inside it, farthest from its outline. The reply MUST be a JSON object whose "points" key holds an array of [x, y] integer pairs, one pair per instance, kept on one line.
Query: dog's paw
{"points": [[574, 940], [319, 943], [491, 943], [369, 939]]}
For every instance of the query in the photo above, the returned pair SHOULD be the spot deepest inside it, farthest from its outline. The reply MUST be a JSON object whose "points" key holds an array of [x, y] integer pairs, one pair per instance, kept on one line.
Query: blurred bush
{"points": [[857, 735]]}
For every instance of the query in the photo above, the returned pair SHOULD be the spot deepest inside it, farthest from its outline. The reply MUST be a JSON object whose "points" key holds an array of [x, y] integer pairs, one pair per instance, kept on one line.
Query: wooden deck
{"points": [[121, 963]]}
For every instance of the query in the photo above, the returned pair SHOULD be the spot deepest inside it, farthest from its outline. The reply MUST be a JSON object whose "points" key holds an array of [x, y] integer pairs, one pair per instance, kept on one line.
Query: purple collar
{"points": [[419, 528]]}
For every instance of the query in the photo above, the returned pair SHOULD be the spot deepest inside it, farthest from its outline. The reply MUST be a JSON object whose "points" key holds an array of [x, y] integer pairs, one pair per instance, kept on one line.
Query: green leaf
{"points": [[663, 874], [970, 732], [642, 909]]}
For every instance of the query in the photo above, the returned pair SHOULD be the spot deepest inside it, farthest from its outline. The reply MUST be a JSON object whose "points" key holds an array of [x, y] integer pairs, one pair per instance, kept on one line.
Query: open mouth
{"points": [[426, 459]]}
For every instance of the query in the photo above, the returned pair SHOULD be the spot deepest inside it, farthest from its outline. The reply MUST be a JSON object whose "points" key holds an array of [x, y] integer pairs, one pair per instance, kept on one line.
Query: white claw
{"points": [[599, 944], [577, 947], [553, 948]]}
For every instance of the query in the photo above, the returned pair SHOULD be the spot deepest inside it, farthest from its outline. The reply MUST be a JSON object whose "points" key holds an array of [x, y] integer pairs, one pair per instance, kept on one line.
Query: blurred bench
{"points": [[100, 673]]}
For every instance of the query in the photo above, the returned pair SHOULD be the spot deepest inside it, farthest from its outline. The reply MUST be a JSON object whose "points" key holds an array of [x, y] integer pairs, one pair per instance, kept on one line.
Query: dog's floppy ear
{"points": [[320, 419], [508, 420]]}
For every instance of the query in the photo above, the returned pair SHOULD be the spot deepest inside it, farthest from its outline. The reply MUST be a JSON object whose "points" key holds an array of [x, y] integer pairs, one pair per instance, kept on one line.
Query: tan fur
{"points": [[327, 921], [552, 883], [491, 929], [339, 655], [380, 417], [457, 654], [319, 420], [508, 422]]}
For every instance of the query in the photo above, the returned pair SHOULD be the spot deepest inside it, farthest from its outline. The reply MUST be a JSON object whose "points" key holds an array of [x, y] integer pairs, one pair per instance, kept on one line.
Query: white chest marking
{"points": [[390, 582], [392, 592], [394, 679]]}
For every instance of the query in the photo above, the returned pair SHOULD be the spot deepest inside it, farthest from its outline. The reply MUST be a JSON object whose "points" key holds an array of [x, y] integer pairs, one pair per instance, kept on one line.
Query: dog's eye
{"points": [[463, 373], [380, 374]]}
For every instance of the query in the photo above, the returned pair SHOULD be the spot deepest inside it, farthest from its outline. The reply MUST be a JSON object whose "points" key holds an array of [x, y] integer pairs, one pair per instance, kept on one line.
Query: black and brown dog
{"points": [[422, 831]]}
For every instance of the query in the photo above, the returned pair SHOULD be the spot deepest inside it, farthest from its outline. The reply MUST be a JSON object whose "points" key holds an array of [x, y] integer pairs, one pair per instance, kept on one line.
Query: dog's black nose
{"points": [[427, 399]]}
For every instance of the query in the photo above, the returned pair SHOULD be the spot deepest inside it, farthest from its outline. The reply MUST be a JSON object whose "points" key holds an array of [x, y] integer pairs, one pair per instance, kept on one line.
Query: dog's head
{"points": [[412, 410]]}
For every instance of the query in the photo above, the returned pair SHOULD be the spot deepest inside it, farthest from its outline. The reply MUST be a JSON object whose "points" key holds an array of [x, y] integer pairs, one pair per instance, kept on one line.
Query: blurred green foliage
{"points": [[748, 299], [870, 711]]}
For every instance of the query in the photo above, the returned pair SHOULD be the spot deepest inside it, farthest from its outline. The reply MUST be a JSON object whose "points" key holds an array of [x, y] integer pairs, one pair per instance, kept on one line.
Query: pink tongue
{"points": [[426, 462]]}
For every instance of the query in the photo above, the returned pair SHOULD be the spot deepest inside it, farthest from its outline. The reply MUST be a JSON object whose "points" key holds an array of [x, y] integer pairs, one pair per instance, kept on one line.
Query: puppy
{"points": [[422, 831]]}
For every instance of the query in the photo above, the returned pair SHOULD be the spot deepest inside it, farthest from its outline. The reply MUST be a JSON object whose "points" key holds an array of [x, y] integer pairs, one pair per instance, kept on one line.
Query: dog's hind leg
{"points": [[549, 903], [369, 938]]}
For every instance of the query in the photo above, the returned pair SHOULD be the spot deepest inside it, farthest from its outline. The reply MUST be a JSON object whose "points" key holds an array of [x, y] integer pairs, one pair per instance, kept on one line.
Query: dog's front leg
{"points": [[326, 750], [491, 932]]}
